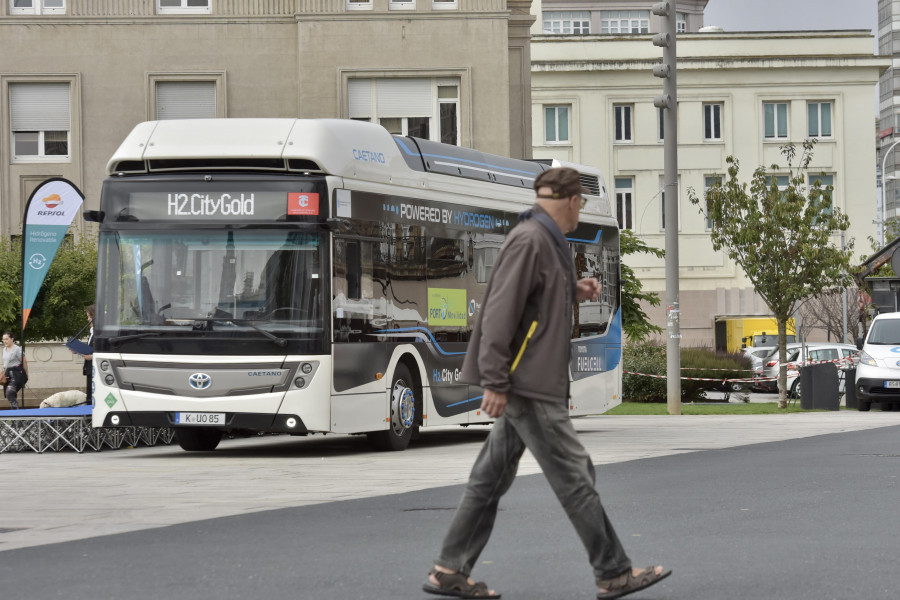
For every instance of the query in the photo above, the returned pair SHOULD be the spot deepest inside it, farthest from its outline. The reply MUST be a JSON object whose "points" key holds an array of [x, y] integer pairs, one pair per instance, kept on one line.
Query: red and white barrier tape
{"points": [[751, 380]]}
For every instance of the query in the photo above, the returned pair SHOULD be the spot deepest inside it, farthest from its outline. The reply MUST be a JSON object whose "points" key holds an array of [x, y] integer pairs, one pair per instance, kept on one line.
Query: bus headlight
{"points": [[114, 419], [299, 382], [306, 368], [109, 379], [291, 422], [104, 365]]}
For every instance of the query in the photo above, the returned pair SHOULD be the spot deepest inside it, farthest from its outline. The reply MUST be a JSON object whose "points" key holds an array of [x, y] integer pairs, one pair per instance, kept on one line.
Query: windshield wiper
{"points": [[280, 342], [134, 336]]}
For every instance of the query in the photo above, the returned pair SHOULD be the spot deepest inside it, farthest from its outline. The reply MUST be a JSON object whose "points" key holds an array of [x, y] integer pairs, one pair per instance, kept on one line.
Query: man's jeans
{"points": [[546, 430]]}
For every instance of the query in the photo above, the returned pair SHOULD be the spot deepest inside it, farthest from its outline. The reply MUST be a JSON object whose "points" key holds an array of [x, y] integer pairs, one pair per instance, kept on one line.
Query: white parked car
{"points": [[878, 371], [799, 354]]}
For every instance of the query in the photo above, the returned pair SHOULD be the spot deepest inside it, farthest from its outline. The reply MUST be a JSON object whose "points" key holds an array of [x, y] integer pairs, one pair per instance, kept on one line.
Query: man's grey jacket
{"points": [[530, 282]]}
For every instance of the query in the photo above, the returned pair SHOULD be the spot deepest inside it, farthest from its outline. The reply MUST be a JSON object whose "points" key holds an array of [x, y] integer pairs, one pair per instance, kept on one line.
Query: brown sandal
{"points": [[457, 585], [628, 583]]}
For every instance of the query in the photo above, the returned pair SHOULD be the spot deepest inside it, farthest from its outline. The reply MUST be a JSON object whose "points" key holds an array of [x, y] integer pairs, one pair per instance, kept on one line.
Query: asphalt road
{"points": [[811, 518]]}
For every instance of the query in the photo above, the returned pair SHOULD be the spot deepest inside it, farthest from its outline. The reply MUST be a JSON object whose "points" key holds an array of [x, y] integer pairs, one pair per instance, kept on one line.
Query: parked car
{"points": [[878, 371], [757, 355], [799, 354]]}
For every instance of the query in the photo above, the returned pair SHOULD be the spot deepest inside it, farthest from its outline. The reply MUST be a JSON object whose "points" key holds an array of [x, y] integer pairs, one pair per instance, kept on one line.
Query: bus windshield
{"points": [[227, 283]]}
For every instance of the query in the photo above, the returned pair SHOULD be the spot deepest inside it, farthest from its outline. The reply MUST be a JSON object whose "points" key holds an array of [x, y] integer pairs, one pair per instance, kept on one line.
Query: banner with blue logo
{"points": [[50, 210]]}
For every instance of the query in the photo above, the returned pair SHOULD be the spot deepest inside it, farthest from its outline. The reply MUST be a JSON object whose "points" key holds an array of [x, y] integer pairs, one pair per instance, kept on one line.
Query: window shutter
{"points": [[39, 106], [404, 97], [185, 100], [359, 93]]}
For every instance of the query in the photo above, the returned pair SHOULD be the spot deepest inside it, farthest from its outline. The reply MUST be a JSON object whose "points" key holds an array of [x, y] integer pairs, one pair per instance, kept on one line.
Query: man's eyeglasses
{"points": [[583, 199]]}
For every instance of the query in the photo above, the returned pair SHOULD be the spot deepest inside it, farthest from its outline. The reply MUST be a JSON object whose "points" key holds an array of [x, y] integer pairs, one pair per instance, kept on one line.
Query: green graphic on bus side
{"points": [[110, 400], [446, 307]]}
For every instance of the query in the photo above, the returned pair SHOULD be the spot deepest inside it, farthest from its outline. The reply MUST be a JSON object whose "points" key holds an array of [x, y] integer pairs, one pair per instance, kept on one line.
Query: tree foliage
{"points": [[781, 238], [69, 287], [635, 322]]}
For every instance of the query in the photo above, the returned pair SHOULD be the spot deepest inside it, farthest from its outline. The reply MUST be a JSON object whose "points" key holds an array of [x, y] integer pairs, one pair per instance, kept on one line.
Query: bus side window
{"points": [[354, 272]]}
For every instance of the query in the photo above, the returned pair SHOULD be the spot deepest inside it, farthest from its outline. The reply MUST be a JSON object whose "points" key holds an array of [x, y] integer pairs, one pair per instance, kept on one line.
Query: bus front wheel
{"points": [[403, 414], [198, 439]]}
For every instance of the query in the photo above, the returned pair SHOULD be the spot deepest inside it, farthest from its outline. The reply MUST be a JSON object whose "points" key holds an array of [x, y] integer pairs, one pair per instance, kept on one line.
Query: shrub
{"points": [[58, 310], [698, 363], [648, 358]]}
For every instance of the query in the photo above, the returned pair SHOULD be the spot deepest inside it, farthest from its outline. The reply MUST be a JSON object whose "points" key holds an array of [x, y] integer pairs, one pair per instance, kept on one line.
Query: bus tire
{"points": [[403, 408], [198, 439]]}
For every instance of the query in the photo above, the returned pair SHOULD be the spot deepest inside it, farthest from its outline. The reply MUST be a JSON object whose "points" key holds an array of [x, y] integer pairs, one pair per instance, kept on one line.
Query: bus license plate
{"points": [[892, 384], [191, 418]]}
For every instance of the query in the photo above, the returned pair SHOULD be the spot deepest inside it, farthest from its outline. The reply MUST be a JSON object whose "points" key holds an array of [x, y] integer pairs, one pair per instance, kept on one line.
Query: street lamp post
{"points": [[884, 180]]}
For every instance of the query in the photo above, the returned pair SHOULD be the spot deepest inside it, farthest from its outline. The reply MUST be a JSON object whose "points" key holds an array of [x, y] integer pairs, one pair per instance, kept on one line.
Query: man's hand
{"points": [[588, 289], [493, 403]]}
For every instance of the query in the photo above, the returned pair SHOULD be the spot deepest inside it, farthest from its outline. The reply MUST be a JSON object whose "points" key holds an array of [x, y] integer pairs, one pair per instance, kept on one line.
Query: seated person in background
{"points": [[15, 370]]}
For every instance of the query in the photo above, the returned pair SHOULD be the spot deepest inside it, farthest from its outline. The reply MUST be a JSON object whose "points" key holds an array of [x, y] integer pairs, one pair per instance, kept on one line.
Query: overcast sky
{"points": [[792, 15]]}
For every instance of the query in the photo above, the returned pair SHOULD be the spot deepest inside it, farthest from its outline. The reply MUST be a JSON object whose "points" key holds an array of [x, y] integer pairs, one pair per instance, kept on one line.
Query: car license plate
{"points": [[193, 418], [892, 384]]}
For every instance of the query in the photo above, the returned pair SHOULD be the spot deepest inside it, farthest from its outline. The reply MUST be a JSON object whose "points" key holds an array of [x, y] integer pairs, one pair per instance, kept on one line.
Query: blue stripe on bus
{"points": [[466, 401], [421, 330], [596, 239]]}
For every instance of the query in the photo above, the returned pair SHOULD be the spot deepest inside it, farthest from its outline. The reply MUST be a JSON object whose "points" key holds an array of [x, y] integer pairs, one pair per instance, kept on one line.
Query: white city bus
{"points": [[316, 276]]}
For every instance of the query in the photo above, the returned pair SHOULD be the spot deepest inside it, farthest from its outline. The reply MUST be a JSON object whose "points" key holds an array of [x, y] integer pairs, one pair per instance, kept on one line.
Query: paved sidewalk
{"points": [[56, 497]]}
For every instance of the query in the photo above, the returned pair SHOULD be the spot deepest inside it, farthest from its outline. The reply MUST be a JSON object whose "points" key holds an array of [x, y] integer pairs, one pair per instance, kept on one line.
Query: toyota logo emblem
{"points": [[200, 381]]}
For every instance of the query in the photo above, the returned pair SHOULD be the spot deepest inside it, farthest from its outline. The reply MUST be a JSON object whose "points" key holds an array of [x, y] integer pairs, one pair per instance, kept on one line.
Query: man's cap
{"points": [[564, 181]]}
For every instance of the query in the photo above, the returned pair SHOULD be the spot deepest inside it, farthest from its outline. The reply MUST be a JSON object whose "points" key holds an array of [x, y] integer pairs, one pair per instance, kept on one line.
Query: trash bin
{"points": [[850, 400], [819, 387]]}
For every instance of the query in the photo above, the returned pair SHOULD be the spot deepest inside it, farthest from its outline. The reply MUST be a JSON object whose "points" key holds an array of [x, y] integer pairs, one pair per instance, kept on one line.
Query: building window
{"points": [[443, 4], [824, 181], [680, 22], [819, 118], [40, 121], [556, 124], [662, 203], [427, 108], [197, 7], [776, 115], [712, 122], [402, 5], [37, 7], [359, 4], [573, 22], [662, 123], [708, 182], [185, 100], [623, 122], [624, 21], [448, 112], [625, 202]]}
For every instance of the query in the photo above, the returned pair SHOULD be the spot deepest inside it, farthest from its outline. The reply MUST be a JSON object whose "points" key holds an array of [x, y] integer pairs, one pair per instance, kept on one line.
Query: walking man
{"points": [[519, 355]]}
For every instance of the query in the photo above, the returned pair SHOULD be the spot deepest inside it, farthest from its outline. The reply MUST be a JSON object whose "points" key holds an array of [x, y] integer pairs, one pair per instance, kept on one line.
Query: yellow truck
{"points": [[745, 332]]}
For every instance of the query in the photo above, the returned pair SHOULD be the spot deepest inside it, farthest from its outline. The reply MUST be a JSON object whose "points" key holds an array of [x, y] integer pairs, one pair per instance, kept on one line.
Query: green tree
{"points": [[58, 310], [781, 238], [635, 322]]}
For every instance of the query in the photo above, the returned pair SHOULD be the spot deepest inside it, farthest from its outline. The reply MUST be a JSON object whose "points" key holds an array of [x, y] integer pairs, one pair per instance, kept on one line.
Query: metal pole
{"points": [[843, 303], [673, 310], [883, 220]]}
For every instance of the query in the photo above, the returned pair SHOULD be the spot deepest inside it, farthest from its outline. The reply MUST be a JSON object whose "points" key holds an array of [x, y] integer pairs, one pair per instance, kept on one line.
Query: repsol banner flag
{"points": [[50, 210]]}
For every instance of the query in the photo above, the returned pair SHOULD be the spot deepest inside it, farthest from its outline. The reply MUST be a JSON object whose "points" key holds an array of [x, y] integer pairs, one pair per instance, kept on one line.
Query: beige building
{"points": [[77, 75], [740, 94]]}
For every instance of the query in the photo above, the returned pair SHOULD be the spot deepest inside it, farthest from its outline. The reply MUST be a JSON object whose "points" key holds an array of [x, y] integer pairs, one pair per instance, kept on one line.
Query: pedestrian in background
{"points": [[87, 368], [519, 355], [15, 370]]}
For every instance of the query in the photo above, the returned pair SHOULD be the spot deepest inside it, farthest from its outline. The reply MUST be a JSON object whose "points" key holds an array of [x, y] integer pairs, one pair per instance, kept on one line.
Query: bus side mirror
{"points": [[93, 216]]}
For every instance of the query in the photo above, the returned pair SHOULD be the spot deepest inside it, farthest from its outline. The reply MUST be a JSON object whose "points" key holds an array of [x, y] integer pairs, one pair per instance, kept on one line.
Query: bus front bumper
{"points": [[232, 421]]}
